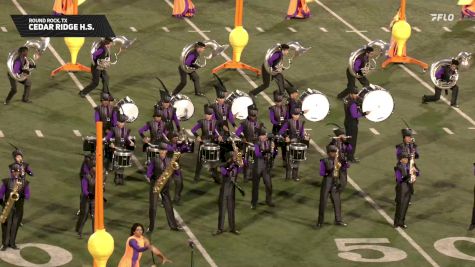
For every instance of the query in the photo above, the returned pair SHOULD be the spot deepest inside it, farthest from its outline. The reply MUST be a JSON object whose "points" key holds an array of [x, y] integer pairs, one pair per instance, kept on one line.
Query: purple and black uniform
{"points": [[209, 133], [444, 73], [344, 149], [108, 116], [358, 65], [262, 168], [410, 149], [403, 192], [330, 187], [97, 72], [227, 201], [121, 141], [352, 115], [190, 61], [169, 117], [86, 208], [222, 113], [294, 129], [20, 65], [157, 131], [273, 61]]}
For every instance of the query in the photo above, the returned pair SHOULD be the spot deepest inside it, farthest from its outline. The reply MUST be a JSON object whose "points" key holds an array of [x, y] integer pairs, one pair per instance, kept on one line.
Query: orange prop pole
{"points": [[99, 197], [403, 10], [239, 13]]}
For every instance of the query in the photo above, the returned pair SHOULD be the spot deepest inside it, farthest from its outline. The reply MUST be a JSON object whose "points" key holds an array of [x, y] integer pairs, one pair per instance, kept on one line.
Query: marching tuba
{"points": [[216, 49], [295, 50], [465, 60], [122, 42], [40, 47], [379, 47]]}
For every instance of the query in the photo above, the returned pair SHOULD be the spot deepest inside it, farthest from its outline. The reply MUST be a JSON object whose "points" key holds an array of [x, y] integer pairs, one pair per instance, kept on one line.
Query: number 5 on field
{"points": [[345, 245]]}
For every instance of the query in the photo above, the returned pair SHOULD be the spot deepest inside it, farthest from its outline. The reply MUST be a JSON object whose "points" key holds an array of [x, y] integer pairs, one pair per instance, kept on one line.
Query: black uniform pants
{"points": [[167, 205], [183, 75], [227, 202], [178, 180], [260, 169], [13, 89], [329, 188], [86, 208], [351, 129], [97, 75], [11, 225], [403, 197], [266, 79], [473, 211], [438, 92], [352, 83]]}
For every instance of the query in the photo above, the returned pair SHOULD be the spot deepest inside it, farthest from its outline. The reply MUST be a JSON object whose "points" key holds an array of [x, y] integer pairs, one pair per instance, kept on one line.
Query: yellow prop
{"points": [[101, 247], [74, 44], [464, 2], [238, 38], [401, 32]]}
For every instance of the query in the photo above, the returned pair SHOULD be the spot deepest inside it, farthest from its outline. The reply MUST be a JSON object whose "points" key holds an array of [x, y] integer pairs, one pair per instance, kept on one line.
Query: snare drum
{"points": [[184, 107], [298, 152], [239, 103], [316, 103], [128, 108], [378, 101], [250, 153], [122, 158], [89, 144], [209, 152], [152, 152]]}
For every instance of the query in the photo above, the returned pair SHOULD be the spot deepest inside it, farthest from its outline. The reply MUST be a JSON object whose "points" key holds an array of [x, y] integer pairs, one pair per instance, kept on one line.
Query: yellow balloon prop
{"points": [[401, 33], [238, 38], [74, 44], [101, 247]]}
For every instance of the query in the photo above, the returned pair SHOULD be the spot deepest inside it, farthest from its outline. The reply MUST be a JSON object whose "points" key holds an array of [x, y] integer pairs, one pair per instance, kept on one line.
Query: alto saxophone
{"points": [[167, 173], [412, 161], [14, 196], [236, 150], [336, 168]]}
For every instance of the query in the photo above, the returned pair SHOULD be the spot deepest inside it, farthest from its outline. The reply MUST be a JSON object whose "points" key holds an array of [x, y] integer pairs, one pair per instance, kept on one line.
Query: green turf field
{"points": [[280, 236]]}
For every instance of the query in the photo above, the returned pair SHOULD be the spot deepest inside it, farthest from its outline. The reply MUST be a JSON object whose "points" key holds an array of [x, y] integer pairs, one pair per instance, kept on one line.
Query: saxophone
{"points": [[14, 196], [167, 173], [336, 168], [412, 171], [238, 153]]}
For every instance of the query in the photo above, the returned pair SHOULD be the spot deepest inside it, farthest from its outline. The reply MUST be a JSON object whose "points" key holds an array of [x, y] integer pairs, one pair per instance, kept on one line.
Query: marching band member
{"points": [[209, 133], [168, 113], [298, 9], [408, 145], [445, 73], [17, 155], [106, 112], [97, 72], [294, 100], [472, 225], [279, 114], [190, 62], [330, 187], [222, 110], [174, 146], [12, 223], [403, 175], [358, 66], [20, 65], [248, 129], [227, 193], [155, 168], [340, 141], [122, 139], [86, 206], [157, 130], [294, 132], [135, 245], [264, 150], [183, 9], [352, 115], [273, 61]]}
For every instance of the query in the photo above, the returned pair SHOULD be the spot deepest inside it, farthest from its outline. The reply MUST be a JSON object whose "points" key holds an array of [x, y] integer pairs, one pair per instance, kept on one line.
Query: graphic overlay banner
{"points": [[62, 26]]}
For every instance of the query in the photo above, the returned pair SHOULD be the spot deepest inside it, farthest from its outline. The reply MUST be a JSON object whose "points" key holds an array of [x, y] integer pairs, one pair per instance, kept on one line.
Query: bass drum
{"points": [[378, 101], [316, 103], [183, 106], [128, 108], [239, 103]]}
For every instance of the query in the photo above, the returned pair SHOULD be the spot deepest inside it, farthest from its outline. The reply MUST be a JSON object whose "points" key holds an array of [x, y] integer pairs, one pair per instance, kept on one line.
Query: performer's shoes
{"points": [[424, 100], [236, 232], [81, 94], [296, 179], [149, 230], [3, 248], [253, 207], [14, 247], [403, 226], [177, 229], [471, 227], [319, 225], [199, 94], [27, 101], [270, 204], [6, 102], [218, 232], [341, 223], [454, 105]]}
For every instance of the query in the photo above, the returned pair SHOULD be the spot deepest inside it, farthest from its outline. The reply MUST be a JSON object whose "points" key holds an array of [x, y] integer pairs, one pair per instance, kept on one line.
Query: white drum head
{"points": [[130, 110], [317, 105], [184, 109], [239, 107], [380, 103]]}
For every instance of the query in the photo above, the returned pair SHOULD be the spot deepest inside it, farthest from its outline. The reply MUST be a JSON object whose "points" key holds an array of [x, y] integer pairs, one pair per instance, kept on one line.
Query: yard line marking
{"points": [[1, 134], [259, 29], [384, 29], [228, 29], [448, 131], [292, 29], [374, 131], [408, 71], [416, 29], [165, 29], [133, 29], [39, 133], [203, 31], [471, 128], [188, 131], [356, 31], [4, 29], [77, 133], [323, 29], [139, 165], [446, 29]]}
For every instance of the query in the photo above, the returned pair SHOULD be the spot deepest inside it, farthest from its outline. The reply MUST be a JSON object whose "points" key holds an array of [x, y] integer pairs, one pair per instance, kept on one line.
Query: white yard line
{"points": [[39, 134], [203, 31], [133, 29], [323, 29], [357, 31], [471, 128], [385, 29], [292, 29], [416, 29], [446, 29], [228, 29], [448, 131], [188, 131], [165, 29], [374, 131], [4, 29], [77, 133], [259, 29], [1, 134]]}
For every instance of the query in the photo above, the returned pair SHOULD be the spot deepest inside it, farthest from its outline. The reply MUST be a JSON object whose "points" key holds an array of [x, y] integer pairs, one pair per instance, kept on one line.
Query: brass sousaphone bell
{"points": [[465, 61], [379, 48], [295, 50], [39, 46], [212, 50]]}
